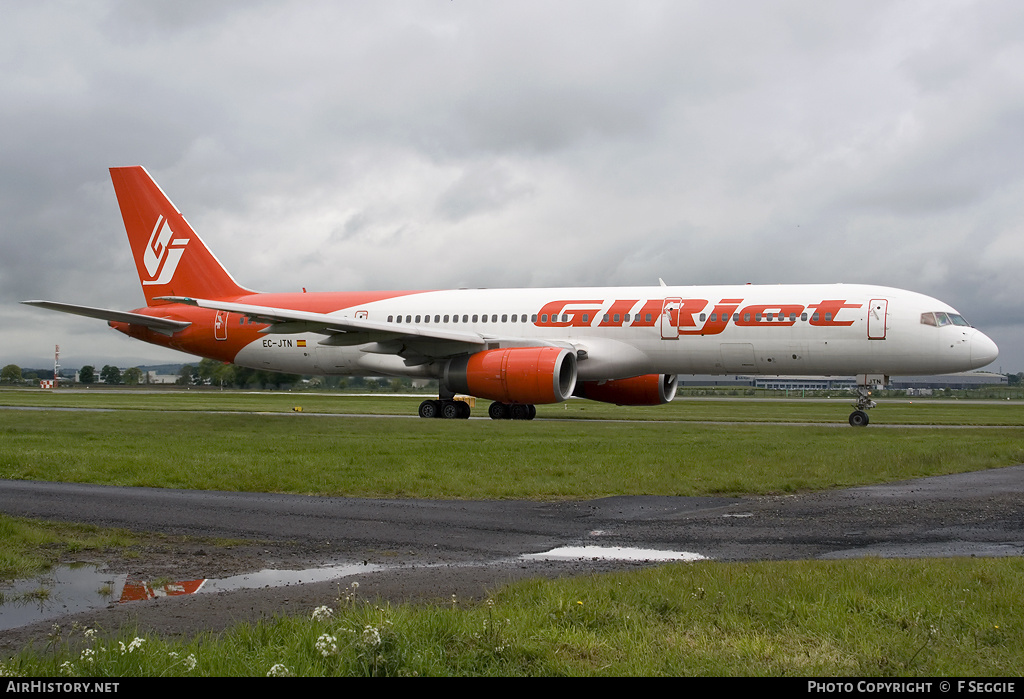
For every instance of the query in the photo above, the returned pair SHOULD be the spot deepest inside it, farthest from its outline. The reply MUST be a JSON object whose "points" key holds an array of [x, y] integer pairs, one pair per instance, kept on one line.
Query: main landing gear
{"points": [[448, 409], [515, 411]]}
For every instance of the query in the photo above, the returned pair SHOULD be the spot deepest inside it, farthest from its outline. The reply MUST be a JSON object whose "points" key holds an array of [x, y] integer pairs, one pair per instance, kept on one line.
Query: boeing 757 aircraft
{"points": [[523, 347]]}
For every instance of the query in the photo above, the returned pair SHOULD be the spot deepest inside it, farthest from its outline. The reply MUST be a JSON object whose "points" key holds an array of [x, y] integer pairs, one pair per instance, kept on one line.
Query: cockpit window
{"points": [[940, 319]]}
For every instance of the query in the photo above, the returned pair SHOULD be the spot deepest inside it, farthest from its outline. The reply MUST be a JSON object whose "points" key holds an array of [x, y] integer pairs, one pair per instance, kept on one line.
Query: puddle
{"points": [[611, 553], [62, 590], [79, 588], [71, 589]]}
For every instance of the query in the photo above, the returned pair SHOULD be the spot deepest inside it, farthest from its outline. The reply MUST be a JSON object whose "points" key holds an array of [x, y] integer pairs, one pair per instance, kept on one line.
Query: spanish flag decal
{"points": [[302, 343]]}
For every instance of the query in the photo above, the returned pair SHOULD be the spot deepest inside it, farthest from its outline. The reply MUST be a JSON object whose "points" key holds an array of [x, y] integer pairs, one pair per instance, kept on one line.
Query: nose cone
{"points": [[983, 350]]}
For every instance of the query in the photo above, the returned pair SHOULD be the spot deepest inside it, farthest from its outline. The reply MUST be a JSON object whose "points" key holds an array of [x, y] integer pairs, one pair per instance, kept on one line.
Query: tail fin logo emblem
{"points": [[163, 253]]}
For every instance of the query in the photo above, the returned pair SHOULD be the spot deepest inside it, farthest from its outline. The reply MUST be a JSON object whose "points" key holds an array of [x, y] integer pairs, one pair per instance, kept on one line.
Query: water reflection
{"points": [[82, 587]]}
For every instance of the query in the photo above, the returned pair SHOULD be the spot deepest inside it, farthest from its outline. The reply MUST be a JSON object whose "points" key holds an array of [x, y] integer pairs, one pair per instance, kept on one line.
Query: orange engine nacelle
{"points": [[516, 375], [649, 389]]}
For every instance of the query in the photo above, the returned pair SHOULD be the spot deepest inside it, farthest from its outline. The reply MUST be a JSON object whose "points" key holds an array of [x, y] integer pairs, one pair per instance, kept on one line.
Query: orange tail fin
{"points": [[171, 258]]}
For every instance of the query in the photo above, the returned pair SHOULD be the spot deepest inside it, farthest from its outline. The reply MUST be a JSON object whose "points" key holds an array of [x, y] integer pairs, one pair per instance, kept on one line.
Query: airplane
{"points": [[525, 347]]}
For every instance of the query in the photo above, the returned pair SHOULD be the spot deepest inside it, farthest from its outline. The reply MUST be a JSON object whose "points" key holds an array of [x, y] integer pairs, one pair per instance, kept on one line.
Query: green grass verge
{"points": [[812, 618], [30, 546], [477, 459]]}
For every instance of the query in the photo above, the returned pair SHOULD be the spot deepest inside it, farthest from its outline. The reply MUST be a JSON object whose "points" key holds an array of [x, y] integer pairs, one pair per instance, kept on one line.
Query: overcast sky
{"points": [[444, 143]]}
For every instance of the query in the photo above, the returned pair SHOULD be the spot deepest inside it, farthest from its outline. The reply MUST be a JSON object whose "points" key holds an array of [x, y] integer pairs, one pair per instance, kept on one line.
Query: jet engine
{"points": [[527, 375], [649, 389]]}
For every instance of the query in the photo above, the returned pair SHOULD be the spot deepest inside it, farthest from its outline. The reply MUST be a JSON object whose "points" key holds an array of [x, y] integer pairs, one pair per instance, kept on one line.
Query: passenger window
{"points": [[702, 318], [803, 316], [815, 317], [417, 319], [494, 318], [746, 317], [437, 319], [483, 318], [544, 318], [626, 317], [616, 317], [714, 317], [534, 318], [736, 317], [475, 317], [446, 319], [648, 319], [828, 317], [585, 316]]}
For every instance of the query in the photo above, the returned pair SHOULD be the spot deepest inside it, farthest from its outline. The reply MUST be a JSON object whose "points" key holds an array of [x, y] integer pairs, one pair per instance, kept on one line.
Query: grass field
{"points": [[547, 459], [869, 617]]}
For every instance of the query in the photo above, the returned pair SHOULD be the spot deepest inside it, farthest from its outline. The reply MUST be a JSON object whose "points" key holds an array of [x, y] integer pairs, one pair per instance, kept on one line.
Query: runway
{"points": [[979, 513]]}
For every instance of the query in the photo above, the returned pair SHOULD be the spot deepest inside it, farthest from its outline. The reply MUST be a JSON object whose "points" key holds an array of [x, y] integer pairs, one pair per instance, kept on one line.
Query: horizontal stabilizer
{"points": [[162, 325]]}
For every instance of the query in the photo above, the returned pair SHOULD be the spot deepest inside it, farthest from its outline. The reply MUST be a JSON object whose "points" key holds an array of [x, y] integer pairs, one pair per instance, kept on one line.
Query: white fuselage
{"points": [[619, 332]]}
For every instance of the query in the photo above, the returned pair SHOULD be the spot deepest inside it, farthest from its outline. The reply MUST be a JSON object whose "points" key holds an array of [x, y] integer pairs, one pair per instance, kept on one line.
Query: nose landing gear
{"points": [[859, 417]]}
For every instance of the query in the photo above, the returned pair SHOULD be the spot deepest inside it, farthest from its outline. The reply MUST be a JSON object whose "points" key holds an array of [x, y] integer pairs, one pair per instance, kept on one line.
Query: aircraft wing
{"points": [[161, 325], [392, 338]]}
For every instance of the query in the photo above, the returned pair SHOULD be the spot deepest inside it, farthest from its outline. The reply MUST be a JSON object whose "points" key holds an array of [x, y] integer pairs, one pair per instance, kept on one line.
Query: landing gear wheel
{"points": [[464, 409], [498, 411], [430, 408], [520, 411], [450, 410], [859, 418], [533, 412]]}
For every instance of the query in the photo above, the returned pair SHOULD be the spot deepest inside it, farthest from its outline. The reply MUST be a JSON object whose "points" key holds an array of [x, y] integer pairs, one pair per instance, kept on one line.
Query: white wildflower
{"points": [[191, 662], [371, 636], [322, 612], [326, 645], [88, 655], [279, 670], [66, 668]]}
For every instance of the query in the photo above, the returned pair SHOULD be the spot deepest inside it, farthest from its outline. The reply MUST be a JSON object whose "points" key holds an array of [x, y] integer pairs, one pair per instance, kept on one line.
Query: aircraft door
{"points": [[877, 314], [220, 326], [670, 319]]}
